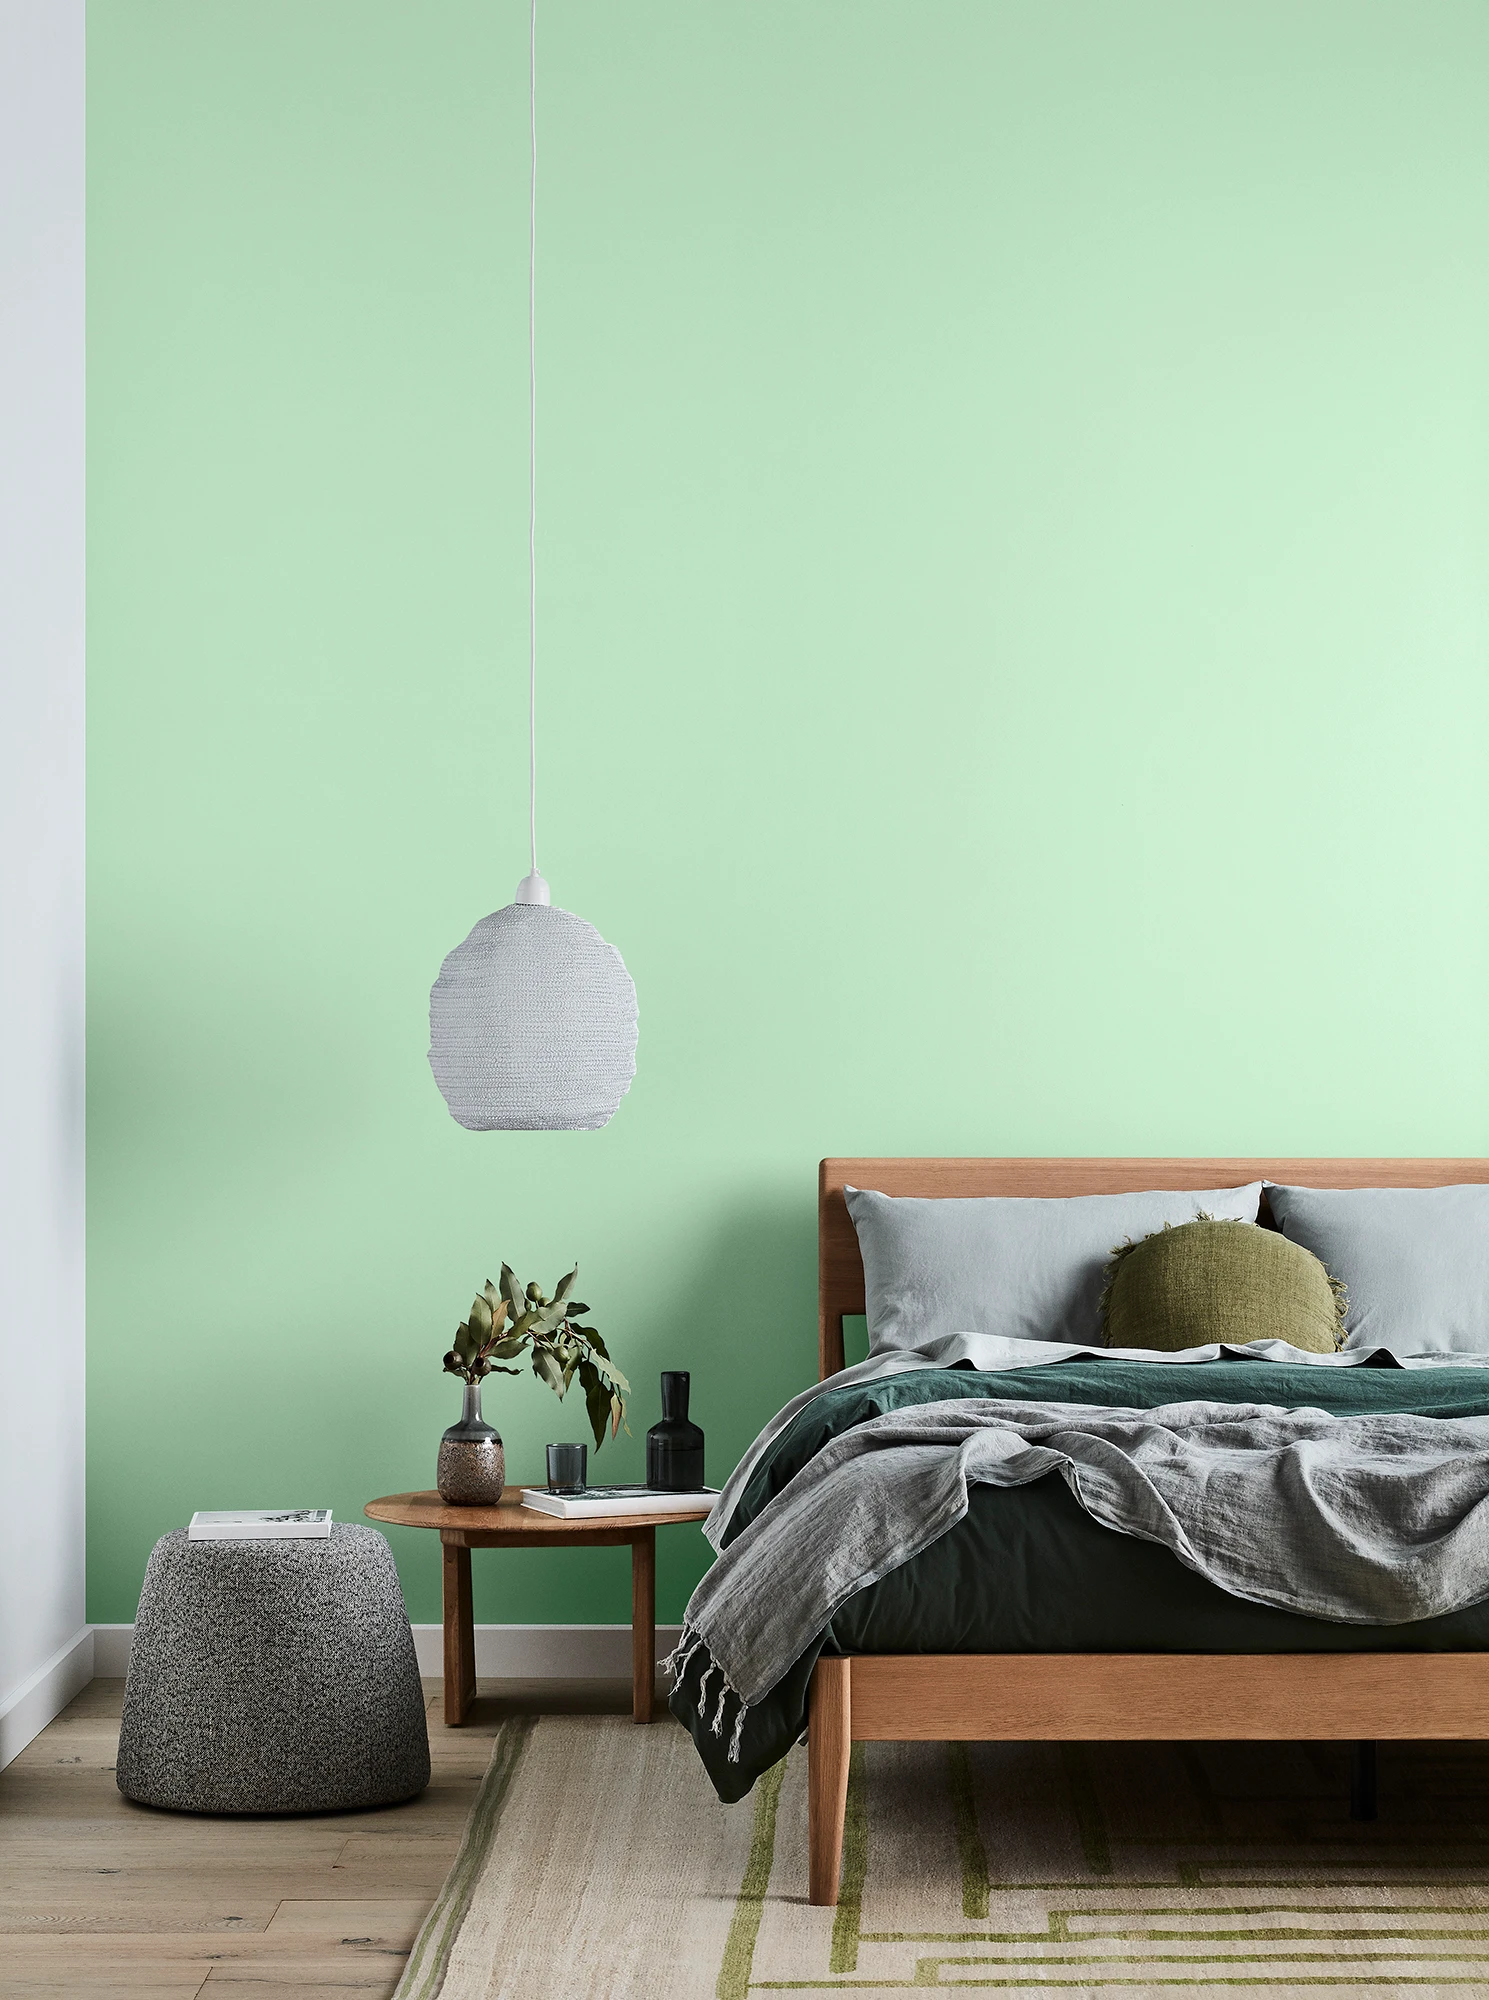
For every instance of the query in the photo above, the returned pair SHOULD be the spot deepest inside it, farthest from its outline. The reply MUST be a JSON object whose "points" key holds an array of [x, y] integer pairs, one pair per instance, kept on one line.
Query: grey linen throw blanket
{"points": [[1372, 1520]]}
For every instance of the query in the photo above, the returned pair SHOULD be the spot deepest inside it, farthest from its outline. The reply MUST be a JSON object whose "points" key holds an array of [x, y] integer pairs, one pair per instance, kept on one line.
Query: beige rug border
{"points": [[424, 1973]]}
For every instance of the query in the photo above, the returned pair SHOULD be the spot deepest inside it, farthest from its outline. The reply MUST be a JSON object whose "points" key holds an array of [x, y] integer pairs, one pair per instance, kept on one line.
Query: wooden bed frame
{"points": [[1027, 1697]]}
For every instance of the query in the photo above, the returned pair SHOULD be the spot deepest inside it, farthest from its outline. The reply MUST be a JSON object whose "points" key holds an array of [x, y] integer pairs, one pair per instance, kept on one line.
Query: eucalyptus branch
{"points": [[505, 1320]]}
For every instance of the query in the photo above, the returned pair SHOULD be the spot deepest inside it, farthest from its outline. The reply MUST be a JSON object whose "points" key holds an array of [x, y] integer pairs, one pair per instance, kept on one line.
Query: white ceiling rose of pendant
{"points": [[532, 1021]]}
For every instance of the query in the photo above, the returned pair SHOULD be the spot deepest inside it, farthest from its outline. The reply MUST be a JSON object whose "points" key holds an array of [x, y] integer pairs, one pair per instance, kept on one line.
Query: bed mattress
{"points": [[1028, 1570]]}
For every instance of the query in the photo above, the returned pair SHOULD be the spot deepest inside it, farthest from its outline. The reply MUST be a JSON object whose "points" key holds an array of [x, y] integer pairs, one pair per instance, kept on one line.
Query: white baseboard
{"points": [[545, 1652], [503, 1652], [111, 1644], [46, 1693]]}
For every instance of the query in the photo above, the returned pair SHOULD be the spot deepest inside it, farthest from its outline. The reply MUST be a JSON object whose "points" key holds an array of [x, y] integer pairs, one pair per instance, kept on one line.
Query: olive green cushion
{"points": [[1211, 1281]]}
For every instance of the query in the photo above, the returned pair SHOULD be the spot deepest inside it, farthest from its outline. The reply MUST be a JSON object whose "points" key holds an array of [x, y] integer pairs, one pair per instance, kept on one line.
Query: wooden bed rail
{"points": [[1115, 1697]]}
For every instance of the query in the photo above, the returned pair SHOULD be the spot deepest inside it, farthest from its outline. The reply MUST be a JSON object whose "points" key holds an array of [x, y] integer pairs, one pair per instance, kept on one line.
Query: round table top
{"points": [[510, 1517]]}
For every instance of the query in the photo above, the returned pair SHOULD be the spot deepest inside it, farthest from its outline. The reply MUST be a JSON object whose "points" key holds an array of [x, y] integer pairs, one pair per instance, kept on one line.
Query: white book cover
{"points": [[262, 1524], [597, 1501]]}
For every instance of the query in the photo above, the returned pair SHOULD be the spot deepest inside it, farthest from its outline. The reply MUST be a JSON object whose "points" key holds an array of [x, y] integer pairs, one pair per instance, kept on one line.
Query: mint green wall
{"points": [[1015, 627]]}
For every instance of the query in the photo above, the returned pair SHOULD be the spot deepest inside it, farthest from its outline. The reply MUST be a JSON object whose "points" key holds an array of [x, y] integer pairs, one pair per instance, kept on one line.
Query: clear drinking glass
{"points": [[567, 1467]]}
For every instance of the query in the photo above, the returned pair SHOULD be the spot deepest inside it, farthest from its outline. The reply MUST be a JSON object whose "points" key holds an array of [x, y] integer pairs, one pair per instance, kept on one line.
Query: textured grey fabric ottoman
{"points": [[273, 1677]]}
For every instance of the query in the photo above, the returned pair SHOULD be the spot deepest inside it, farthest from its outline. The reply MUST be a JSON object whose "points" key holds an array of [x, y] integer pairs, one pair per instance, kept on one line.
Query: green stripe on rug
{"points": [[425, 1971], [925, 1977], [739, 1947]]}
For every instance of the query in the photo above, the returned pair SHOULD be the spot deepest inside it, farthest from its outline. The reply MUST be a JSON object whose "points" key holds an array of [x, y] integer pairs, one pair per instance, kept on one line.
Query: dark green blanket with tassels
{"points": [[1028, 1570]]}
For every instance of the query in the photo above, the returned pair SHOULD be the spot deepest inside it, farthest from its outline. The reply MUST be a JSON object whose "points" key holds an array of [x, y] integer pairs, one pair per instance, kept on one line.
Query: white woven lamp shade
{"points": [[532, 1024]]}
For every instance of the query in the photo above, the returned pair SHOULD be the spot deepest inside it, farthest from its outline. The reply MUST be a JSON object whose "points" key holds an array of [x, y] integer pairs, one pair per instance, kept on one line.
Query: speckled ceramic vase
{"points": [[472, 1464]]}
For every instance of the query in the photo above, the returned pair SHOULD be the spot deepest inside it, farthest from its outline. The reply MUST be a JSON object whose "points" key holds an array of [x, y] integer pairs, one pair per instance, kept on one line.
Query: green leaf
{"points": [[617, 1378], [492, 1369], [466, 1346], [601, 1405], [505, 1349], [547, 1369], [566, 1285], [577, 1311], [512, 1291], [591, 1334], [596, 1403], [480, 1318]]}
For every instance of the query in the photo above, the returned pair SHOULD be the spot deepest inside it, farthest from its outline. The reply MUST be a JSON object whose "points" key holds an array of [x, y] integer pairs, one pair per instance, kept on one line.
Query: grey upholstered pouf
{"points": [[273, 1677]]}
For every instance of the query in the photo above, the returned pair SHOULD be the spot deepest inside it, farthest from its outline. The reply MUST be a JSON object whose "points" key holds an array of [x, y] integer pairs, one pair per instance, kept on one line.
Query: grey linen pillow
{"points": [[1415, 1261], [1025, 1267]]}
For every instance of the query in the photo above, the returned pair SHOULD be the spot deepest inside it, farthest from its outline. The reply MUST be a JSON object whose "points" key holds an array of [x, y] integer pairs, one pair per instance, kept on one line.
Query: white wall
{"points": [[45, 1649]]}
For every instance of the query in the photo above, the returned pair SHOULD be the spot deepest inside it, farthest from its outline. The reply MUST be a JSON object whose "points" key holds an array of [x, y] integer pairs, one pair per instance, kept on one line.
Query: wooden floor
{"points": [[100, 1898]]}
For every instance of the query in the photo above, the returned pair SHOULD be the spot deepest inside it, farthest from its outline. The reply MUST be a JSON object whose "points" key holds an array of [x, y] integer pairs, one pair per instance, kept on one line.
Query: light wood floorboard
{"points": [[104, 1900]]}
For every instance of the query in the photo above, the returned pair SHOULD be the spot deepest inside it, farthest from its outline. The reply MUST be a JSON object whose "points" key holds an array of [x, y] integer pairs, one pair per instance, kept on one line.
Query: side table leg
{"points": [[643, 1623], [460, 1636]]}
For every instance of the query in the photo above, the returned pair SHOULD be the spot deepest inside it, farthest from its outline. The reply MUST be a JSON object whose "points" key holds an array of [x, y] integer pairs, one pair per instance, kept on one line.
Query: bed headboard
{"points": [[840, 1268]]}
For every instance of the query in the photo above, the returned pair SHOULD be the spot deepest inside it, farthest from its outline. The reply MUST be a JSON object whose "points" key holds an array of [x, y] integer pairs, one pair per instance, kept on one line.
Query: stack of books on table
{"points": [[596, 1501]]}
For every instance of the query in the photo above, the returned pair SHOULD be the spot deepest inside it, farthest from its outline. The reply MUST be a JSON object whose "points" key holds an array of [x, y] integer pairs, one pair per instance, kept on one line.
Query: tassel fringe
{"points": [[676, 1662], [690, 1643]]}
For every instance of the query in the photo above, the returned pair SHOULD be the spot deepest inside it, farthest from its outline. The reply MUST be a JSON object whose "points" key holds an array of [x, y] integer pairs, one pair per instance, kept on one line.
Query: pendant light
{"points": [[532, 1021]]}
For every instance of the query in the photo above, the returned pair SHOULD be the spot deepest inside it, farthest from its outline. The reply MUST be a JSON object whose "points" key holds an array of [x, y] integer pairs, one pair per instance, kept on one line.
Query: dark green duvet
{"points": [[1028, 1570]]}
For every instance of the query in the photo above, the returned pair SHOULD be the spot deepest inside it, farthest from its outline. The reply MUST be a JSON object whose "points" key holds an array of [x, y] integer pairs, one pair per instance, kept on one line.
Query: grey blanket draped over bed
{"points": [[1365, 1520]]}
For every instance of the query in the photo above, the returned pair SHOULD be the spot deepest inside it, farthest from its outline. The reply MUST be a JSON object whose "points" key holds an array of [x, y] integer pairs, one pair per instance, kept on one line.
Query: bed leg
{"points": [[829, 1741], [1362, 1781]]}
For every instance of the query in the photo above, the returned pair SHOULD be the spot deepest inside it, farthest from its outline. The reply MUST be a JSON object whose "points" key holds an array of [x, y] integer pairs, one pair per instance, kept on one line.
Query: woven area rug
{"points": [[599, 1866]]}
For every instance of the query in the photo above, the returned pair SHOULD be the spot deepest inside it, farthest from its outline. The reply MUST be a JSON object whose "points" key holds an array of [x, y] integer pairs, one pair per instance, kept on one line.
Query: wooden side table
{"points": [[510, 1525]]}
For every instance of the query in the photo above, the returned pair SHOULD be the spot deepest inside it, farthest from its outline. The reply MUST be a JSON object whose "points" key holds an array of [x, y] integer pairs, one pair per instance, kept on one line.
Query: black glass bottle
{"points": [[674, 1447]]}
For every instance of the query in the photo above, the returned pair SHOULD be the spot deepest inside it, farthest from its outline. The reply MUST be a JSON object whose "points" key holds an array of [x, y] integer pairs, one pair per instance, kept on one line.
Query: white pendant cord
{"points": [[532, 889], [532, 438]]}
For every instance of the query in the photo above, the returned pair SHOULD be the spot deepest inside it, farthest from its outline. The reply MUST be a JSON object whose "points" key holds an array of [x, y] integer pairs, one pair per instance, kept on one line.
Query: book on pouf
{"points": [[262, 1524], [596, 1501]]}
